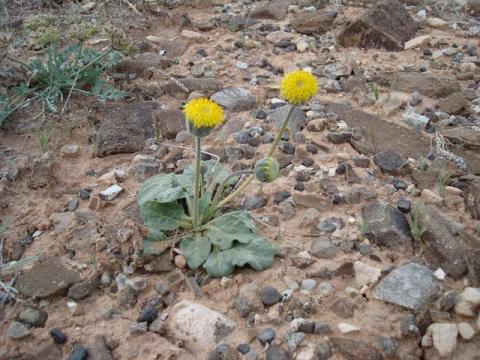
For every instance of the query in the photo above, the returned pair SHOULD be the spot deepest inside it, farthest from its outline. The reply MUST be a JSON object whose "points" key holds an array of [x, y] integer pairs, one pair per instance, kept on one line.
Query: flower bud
{"points": [[267, 169]]}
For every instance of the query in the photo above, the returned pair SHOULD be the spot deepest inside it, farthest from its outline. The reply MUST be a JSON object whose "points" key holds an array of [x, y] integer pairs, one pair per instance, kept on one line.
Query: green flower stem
{"points": [[196, 198], [221, 189], [282, 130], [270, 153]]}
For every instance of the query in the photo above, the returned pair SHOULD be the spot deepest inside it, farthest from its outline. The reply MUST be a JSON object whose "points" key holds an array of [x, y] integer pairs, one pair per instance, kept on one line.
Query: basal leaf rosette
{"points": [[298, 87], [202, 115]]}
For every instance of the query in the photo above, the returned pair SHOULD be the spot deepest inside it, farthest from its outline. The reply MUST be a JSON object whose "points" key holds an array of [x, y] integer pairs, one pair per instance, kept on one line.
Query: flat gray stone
{"points": [[296, 123], [235, 99], [47, 278], [410, 286]]}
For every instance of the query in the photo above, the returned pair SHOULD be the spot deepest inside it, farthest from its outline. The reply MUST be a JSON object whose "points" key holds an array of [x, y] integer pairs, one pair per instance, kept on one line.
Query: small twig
{"points": [[285, 232], [1, 252], [131, 6]]}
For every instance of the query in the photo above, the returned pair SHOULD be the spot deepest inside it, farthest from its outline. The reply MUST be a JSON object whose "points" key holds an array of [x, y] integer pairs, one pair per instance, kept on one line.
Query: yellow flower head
{"points": [[298, 87], [203, 113]]}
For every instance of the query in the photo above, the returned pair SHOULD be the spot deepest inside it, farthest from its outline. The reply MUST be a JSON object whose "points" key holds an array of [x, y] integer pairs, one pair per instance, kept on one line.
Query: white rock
{"points": [[437, 54], [439, 274], [365, 274], [71, 150], [347, 328], [111, 193], [417, 42], [325, 288], [302, 46], [436, 22], [464, 308], [241, 65], [466, 330], [444, 337], [472, 295], [308, 284], [291, 283], [422, 14], [195, 325], [193, 35], [141, 158], [415, 120]]}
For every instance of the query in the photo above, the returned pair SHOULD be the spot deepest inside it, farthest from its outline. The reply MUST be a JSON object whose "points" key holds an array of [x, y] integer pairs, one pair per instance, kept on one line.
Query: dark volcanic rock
{"points": [[386, 25], [389, 161], [444, 249], [386, 226], [48, 278]]}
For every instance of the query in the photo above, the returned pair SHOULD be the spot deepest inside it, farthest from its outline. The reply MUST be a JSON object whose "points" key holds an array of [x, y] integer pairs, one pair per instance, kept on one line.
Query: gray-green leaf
{"points": [[217, 265], [258, 254], [227, 228], [163, 188], [196, 250], [163, 216]]}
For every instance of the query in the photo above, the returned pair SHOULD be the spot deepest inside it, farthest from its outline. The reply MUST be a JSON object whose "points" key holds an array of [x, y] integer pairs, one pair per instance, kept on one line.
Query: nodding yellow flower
{"points": [[203, 113], [298, 87]]}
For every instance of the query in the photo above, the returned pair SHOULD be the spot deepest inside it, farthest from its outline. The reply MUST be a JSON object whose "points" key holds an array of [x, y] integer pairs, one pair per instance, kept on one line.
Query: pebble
{"points": [[471, 295], [325, 288], [33, 317], [138, 328], [58, 336], [308, 284], [444, 337], [404, 206], [466, 331], [84, 194], [17, 330], [78, 353], [243, 348], [439, 274], [347, 328], [111, 193], [149, 314], [275, 352], [266, 336], [270, 295]]}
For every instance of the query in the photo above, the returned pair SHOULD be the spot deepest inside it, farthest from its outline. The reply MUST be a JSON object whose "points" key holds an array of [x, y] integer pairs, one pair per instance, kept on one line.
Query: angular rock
{"points": [[453, 104], [275, 352], [389, 161], [444, 249], [99, 349], [47, 278], [365, 274], [427, 84], [318, 22], [17, 330], [297, 120], [444, 338], [322, 248], [386, 25], [376, 135], [411, 286], [235, 99], [418, 41], [355, 349], [464, 136], [33, 317], [223, 352], [124, 128], [386, 226], [272, 9], [196, 325]]}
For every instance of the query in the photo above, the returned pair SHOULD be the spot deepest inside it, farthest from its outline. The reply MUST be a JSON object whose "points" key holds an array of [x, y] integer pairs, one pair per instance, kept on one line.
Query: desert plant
{"points": [[442, 180], [375, 90], [416, 228], [190, 206], [44, 136], [74, 69]]}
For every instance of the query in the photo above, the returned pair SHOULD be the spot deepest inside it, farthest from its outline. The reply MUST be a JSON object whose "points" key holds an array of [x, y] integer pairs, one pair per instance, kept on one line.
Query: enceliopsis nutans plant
{"points": [[191, 205]]}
